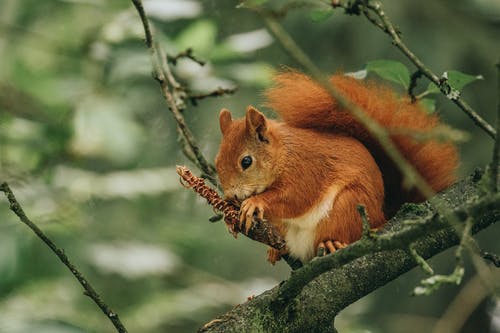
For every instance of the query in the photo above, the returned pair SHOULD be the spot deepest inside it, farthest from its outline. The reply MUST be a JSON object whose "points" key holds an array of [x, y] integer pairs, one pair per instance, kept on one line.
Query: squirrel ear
{"points": [[256, 124], [225, 120]]}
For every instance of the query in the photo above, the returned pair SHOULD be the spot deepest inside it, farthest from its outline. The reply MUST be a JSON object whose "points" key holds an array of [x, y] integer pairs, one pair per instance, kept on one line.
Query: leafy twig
{"points": [[369, 7], [89, 290]]}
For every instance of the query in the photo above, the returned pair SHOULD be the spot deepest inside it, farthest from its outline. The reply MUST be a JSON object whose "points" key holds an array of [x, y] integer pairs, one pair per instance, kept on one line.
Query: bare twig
{"points": [[89, 290], [442, 133], [491, 257], [194, 98], [413, 84], [174, 95], [367, 233], [370, 8], [188, 53], [420, 261]]}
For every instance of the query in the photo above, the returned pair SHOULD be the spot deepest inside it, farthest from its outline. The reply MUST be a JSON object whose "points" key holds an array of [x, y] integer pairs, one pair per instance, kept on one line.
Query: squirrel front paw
{"points": [[249, 207]]}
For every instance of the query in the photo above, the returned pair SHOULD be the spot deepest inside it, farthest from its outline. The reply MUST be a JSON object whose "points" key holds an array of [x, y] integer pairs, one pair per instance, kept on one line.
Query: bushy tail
{"points": [[303, 103]]}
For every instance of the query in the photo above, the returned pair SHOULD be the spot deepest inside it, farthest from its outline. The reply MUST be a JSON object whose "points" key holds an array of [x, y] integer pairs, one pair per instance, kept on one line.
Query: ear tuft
{"points": [[256, 124], [225, 120]]}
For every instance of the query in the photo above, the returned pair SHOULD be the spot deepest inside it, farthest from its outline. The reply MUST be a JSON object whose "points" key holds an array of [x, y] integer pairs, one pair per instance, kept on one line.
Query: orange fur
{"points": [[303, 103], [309, 172]]}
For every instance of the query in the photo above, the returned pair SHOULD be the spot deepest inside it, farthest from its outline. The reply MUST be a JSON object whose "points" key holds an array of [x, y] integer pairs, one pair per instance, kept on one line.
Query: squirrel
{"points": [[307, 173]]}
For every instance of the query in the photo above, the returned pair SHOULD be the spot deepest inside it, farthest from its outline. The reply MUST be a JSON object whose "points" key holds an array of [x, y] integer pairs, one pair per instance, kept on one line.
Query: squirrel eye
{"points": [[246, 162]]}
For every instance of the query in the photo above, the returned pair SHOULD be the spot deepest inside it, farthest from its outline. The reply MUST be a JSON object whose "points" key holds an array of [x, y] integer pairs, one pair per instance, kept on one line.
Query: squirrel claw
{"points": [[329, 246], [249, 208]]}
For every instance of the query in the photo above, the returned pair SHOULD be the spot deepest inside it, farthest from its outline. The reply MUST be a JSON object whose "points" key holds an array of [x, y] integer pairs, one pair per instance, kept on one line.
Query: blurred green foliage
{"points": [[89, 147]]}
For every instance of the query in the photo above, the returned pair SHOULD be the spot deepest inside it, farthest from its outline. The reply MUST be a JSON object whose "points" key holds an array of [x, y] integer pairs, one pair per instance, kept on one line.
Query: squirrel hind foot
{"points": [[329, 246], [273, 255]]}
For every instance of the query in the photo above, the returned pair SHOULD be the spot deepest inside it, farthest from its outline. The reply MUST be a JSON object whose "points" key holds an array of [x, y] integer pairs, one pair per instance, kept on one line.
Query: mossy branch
{"points": [[349, 275]]}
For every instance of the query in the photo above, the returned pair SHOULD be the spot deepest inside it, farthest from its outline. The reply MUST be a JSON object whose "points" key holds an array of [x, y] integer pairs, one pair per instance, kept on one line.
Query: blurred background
{"points": [[89, 147]]}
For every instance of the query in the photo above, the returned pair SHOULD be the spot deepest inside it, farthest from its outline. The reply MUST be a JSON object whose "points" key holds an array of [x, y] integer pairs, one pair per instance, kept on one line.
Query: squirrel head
{"points": [[246, 161]]}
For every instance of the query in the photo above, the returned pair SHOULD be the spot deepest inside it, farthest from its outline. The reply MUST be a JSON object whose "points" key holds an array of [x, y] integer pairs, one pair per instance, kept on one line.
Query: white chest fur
{"points": [[302, 230]]}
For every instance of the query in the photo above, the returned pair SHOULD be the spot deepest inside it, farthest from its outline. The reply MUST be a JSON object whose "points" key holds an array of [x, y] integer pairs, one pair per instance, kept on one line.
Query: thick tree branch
{"points": [[89, 290], [315, 308]]}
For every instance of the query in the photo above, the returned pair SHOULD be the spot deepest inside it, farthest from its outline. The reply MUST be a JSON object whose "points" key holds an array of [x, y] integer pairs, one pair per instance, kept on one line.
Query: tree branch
{"points": [[341, 284], [369, 7], [174, 96], [89, 290]]}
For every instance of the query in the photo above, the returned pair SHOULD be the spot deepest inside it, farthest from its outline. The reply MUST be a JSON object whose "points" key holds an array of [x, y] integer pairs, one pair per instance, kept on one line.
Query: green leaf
{"points": [[429, 104], [457, 80], [390, 70], [320, 15]]}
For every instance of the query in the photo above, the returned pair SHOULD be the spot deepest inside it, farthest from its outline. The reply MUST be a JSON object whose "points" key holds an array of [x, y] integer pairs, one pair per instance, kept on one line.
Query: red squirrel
{"points": [[308, 173]]}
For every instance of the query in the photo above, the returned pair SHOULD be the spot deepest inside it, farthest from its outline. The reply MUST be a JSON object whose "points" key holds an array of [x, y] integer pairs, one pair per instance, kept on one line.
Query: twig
{"points": [[420, 261], [413, 84], [442, 133], [188, 53], [365, 222], [89, 290], [174, 95], [431, 284], [462, 306], [491, 257], [194, 98], [367, 7]]}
